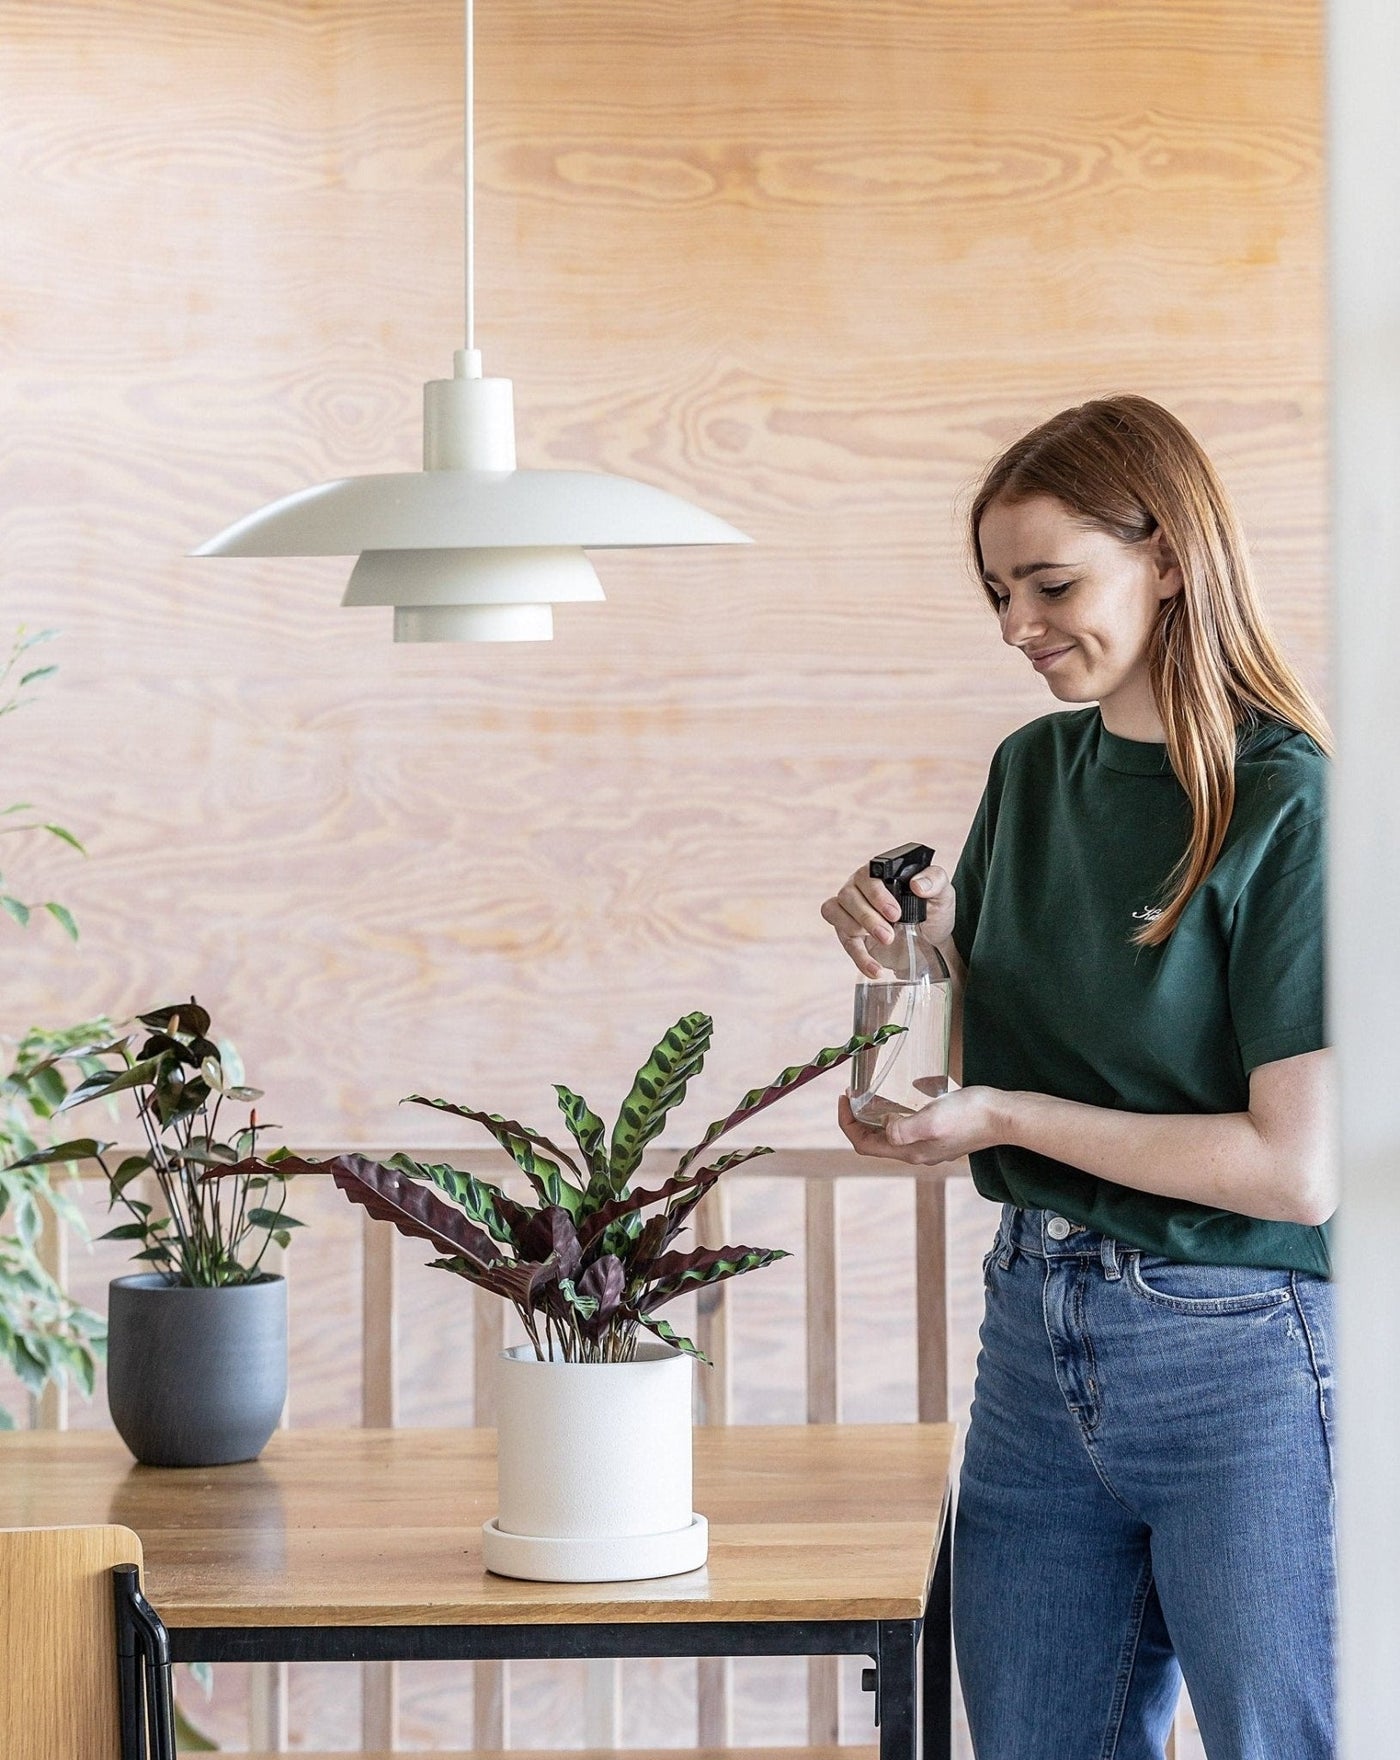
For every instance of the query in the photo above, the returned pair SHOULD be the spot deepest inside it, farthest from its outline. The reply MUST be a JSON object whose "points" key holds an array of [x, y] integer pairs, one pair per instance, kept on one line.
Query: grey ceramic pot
{"points": [[196, 1377]]}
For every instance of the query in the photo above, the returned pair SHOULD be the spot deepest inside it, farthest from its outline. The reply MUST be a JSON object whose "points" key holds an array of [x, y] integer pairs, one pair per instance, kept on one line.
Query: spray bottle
{"points": [[914, 992]]}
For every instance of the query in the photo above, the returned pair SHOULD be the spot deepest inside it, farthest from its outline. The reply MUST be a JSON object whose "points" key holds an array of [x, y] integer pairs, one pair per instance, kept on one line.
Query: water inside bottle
{"points": [[911, 1068]]}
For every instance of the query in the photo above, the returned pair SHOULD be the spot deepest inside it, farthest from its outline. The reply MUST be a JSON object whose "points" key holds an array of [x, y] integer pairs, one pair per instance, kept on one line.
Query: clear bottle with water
{"points": [[914, 992]]}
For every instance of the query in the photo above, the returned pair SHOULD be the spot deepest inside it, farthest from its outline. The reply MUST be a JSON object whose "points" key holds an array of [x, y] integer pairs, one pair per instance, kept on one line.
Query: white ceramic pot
{"points": [[594, 1469]]}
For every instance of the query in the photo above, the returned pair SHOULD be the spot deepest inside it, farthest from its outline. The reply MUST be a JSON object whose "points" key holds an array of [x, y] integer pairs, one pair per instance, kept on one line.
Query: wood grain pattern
{"points": [[58, 1688], [809, 264], [815, 1521], [809, 269]]}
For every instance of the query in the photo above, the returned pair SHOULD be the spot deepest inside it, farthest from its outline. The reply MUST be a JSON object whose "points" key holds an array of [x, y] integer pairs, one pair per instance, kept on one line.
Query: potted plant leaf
{"points": [[594, 1413], [45, 1336], [197, 1344]]}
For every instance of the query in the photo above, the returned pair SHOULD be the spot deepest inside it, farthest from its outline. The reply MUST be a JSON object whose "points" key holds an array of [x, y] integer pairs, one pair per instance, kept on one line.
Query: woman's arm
{"points": [[1274, 1161]]}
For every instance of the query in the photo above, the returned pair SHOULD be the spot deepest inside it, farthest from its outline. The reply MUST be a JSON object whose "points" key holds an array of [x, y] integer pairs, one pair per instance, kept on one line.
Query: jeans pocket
{"points": [[1206, 1289]]}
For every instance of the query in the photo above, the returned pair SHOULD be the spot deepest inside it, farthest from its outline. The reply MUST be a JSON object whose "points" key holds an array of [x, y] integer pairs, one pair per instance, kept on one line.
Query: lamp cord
{"points": [[469, 172]]}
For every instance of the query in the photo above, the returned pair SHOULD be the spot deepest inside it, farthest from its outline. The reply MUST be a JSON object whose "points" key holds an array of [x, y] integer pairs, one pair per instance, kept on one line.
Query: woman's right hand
{"points": [[865, 911]]}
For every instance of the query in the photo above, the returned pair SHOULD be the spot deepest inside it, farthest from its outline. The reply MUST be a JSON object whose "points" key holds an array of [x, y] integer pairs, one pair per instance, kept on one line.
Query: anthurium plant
{"points": [[202, 1234], [591, 1261]]}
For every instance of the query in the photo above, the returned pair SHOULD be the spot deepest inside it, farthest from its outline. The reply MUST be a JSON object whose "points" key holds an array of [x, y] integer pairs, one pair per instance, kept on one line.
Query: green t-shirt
{"points": [[1076, 835]]}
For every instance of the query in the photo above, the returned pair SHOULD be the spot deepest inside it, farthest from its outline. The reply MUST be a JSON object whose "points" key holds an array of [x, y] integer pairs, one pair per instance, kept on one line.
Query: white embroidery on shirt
{"points": [[1148, 914]]}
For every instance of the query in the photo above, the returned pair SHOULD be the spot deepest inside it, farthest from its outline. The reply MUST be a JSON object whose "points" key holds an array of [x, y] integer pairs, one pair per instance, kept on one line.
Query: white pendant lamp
{"points": [[470, 549]]}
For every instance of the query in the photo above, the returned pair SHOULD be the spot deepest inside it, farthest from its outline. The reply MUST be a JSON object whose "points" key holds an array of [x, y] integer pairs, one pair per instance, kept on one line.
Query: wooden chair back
{"points": [[58, 1683]]}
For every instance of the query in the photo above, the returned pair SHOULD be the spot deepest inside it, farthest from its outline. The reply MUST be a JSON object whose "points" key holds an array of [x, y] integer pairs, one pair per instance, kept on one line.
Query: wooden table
{"points": [[364, 1545]]}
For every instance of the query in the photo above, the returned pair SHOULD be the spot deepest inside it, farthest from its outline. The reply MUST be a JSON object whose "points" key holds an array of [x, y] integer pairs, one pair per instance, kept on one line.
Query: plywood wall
{"points": [[807, 262]]}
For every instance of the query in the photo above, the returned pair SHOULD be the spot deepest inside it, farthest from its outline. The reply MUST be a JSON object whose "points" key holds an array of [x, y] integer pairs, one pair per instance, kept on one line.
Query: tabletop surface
{"points": [[383, 1527]]}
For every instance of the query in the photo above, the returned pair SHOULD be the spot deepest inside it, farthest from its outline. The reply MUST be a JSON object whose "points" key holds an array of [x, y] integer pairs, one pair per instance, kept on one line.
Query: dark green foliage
{"points": [[205, 1232], [588, 1265]]}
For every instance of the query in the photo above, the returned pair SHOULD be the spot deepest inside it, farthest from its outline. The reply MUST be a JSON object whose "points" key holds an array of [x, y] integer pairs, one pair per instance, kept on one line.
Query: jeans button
{"points": [[1057, 1228]]}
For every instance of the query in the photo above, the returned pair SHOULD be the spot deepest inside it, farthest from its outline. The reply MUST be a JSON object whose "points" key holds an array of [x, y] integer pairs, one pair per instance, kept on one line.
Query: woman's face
{"points": [[1080, 605]]}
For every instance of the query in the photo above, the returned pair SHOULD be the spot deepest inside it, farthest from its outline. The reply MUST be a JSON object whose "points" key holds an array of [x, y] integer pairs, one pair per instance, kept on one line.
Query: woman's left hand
{"points": [[945, 1130]]}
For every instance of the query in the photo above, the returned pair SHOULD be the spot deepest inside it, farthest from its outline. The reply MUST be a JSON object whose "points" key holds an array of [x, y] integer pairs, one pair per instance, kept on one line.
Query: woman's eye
{"points": [[1055, 592], [1002, 603]]}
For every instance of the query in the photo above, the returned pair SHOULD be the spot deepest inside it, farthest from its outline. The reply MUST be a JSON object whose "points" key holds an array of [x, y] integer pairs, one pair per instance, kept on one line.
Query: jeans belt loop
{"points": [[1108, 1254], [1010, 1217]]}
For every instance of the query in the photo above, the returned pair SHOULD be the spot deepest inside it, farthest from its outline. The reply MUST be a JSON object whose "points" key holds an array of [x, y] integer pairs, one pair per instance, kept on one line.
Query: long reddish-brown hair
{"points": [[1129, 467]]}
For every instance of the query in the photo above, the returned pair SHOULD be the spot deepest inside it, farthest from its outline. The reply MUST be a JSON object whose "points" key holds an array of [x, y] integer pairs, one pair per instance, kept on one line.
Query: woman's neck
{"points": [[1131, 711]]}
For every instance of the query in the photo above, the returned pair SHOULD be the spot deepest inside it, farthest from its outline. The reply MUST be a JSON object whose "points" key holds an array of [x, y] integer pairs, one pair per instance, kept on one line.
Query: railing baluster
{"points": [[267, 1707], [379, 1405], [267, 1681], [713, 1385], [490, 1705], [491, 1681], [602, 1708], [49, 1410], [379, 1410], [714, 1675], [823, 1266], [931, 1284]]}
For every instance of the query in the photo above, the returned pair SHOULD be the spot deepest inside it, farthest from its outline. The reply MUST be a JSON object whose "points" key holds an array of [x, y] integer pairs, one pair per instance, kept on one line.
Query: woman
{"points": [[1135, 932]]}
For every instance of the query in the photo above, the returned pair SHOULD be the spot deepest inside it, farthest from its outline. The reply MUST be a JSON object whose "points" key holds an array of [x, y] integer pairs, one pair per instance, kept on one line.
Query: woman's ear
{"points": [[1168, 570]]}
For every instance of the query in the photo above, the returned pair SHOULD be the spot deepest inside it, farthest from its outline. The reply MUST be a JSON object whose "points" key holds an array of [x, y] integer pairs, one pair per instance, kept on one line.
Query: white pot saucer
{"points": [[601, 1559]]}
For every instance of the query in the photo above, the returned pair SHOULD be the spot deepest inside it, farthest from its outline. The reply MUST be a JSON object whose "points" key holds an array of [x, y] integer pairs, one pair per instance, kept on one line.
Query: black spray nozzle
{"points": [[897, 867]]}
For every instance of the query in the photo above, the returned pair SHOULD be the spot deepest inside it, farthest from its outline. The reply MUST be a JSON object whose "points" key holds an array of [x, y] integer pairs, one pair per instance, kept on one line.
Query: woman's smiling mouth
{"points": [[1048, 656]]}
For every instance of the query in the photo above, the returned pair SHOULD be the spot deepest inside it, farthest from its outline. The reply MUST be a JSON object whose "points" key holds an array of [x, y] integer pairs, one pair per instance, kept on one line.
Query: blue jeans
{"points": [[1147, 1492]]}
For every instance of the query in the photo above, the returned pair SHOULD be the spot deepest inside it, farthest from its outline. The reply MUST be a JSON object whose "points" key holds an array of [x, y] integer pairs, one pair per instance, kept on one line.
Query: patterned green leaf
{"points": [[522, 1145], [389, 1195], [759, 1099], [674, 1273], [618, 1237], [500, 1216], [587, 1130], [516, 1283], [658, 1085], [668, 1335], [586, 1307]]}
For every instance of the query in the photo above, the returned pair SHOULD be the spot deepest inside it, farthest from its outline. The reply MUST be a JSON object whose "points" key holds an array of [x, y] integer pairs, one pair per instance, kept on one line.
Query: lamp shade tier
{"points": [[470, 509], [534, 576], [473, 623]]}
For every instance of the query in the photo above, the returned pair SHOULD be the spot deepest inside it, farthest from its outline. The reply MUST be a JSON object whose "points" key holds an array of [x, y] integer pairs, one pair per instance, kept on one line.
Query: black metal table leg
{"points": [[938, 1657], [145, 1693], [131, 1706], [897, 1689]]}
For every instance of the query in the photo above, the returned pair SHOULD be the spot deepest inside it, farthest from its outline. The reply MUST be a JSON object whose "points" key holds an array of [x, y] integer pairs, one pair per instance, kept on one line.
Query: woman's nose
{"points": [[1020, 623]]}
